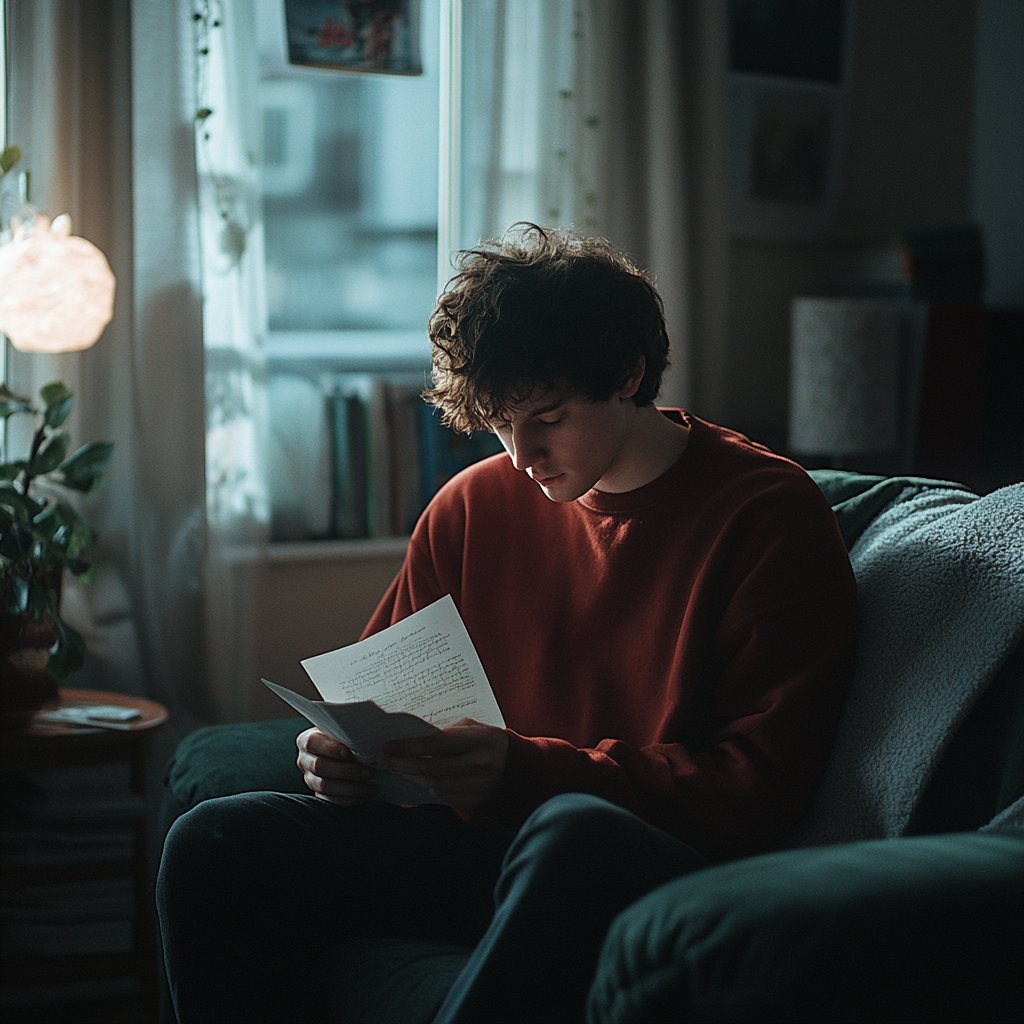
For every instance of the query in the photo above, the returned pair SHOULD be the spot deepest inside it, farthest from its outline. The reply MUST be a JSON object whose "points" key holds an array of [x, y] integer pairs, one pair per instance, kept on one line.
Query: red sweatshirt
{"points": [[682, 650]]}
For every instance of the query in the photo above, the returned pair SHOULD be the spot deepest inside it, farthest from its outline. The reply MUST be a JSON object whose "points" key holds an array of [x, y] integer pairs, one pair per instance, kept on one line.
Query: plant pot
{"points": [[25, 645]]}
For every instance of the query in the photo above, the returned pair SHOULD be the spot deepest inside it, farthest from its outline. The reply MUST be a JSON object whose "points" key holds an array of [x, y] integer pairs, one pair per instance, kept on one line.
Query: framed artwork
{"points": [[788, 67], [379, 36]]}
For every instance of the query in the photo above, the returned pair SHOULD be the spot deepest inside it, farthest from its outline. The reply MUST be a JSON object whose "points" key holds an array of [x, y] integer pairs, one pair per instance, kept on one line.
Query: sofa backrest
{"points": [[940, 576], [982, 770]]}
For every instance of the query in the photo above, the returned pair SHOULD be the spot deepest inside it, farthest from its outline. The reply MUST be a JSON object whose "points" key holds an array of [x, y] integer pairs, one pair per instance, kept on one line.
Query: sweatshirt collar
{"points": [[607, 503]]}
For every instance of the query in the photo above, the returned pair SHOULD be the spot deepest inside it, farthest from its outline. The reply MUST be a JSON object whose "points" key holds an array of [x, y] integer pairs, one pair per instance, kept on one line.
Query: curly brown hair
{"points": [[542, 310]]}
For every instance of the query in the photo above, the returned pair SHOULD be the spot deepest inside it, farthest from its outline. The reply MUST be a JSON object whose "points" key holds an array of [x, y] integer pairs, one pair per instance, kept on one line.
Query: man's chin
{"points": [[561, 489]]}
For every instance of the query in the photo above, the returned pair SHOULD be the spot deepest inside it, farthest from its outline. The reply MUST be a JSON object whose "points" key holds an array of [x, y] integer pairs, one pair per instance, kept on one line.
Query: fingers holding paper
{"points": [[462, 764], [331, 771]]}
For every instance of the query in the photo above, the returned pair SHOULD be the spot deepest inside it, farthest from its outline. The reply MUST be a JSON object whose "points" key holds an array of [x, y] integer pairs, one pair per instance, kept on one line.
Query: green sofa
{"points": [[899, 898]]}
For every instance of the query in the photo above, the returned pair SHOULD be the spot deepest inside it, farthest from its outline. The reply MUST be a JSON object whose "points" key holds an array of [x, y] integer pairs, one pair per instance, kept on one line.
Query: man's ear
{"points": [[629, 388]]}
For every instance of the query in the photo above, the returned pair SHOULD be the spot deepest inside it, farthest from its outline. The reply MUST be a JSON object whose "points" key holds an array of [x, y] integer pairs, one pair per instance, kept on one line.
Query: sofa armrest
{"points": [[221, 760], [916, 929]]}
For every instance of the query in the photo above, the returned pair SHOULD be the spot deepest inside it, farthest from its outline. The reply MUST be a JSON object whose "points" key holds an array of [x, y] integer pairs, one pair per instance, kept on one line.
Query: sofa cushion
{"points": [[221, 760], [857, 498], [921, 929]]}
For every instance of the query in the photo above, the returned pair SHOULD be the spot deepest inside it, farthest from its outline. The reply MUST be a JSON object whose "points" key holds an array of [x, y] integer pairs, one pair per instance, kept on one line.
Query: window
{"points": [[349, 194], [349, 202]]}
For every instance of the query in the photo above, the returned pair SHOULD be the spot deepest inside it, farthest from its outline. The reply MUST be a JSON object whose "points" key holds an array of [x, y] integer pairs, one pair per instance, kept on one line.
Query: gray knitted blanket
{"points": [[940, 580]]}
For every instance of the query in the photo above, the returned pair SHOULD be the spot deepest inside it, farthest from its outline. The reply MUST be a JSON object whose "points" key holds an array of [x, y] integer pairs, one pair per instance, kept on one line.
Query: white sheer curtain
{"points": [[521, 154], [227, 147], [574, 115], [101, 101], [231, 242]]}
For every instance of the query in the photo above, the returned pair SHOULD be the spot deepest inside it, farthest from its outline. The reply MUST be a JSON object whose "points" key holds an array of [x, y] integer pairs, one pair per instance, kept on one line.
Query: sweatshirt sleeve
{"points": [[780, 587], [414, 587]]}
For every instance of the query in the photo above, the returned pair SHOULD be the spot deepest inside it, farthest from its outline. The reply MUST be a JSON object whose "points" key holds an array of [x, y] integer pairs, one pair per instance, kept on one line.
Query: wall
{"points": [[909, 135], [998, 185], [309, 599], [907, 163]]}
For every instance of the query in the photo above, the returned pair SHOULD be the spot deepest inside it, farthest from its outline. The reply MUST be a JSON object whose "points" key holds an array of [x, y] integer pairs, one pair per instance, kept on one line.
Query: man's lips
{"points": [[545, 480]]}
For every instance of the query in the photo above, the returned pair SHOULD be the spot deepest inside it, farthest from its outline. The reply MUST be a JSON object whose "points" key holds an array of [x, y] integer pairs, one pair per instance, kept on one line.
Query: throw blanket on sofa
{"points": [[940, 577]]}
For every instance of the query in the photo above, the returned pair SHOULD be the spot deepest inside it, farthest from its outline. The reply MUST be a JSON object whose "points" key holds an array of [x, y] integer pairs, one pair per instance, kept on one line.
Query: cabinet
{"points": [[58, 860]]}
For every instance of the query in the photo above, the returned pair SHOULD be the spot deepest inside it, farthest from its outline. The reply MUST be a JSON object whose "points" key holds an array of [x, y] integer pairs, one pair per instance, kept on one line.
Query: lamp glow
{"points": [[56, 290]]}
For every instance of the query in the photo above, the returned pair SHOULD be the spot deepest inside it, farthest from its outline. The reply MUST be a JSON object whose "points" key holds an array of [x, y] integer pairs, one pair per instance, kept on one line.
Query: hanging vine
{"points": [[573, 197], [207, 18], [228, 214]]}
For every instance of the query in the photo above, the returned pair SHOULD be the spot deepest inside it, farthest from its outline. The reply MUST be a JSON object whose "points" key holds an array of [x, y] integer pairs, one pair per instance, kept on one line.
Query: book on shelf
{"points": [[390, 453], [352, 497], [405, 451]]}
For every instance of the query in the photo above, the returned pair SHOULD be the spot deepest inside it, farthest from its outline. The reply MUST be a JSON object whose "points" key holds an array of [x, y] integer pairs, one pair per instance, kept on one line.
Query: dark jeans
{"points": [[255, 890]]}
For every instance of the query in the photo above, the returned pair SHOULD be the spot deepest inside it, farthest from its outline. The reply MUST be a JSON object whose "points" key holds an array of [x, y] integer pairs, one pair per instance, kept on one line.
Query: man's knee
{"points": [[568, 831], [215, 837], [224, 821], [571, 819], [583, 837]]}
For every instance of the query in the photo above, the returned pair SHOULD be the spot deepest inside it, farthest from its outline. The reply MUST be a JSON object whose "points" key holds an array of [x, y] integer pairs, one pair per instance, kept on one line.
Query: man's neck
{"points": [[654, 444]]}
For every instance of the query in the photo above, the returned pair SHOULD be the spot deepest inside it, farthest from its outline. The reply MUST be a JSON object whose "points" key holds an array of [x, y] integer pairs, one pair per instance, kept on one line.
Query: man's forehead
{"points": [[538, 402]]}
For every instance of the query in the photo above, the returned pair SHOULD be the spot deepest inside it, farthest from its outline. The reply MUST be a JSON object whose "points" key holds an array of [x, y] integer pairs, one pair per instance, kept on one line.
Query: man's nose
{"points": [[524, 449]]}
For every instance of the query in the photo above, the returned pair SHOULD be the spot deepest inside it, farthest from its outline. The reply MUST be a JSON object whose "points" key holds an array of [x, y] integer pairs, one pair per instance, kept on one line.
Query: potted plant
{"points": [[41, 535]]}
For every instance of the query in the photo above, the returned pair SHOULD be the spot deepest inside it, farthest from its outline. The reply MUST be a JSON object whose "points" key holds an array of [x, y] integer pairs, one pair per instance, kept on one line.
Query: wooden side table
{"points": [[40, 745]]}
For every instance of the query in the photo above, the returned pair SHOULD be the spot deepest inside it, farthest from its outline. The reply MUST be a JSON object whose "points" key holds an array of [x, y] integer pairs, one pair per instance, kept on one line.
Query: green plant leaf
{"points": [[36, 591], [55, 515], [15, 596], [59, 510], [47, 555], [82, 472], [82, 535], [60, 540], [44, 526], [68, 654], [51, 455], [78, 566], [11, 470], [25, 507], [9, 157], [54, 392], [10, 403], [57, 413], [15, 542]]}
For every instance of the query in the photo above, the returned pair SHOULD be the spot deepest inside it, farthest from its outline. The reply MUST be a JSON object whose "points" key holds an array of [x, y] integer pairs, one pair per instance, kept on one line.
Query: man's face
{"points": [[568, 444]]}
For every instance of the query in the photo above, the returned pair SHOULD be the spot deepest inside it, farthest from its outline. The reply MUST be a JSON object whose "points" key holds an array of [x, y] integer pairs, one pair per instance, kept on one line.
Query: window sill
{"points": [[348, 351], [286, 552]]}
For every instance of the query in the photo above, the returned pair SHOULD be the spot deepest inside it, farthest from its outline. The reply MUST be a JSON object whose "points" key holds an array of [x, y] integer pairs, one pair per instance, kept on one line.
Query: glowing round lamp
{"points": [[56, 291]]}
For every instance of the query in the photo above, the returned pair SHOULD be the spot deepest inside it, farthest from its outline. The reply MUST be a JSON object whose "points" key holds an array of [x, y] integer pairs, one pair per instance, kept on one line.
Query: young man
{"points": [[665, 611]]}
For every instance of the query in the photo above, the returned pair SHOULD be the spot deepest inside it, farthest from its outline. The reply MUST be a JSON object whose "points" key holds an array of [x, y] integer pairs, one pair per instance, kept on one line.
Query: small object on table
{"points": [[107, 716]]}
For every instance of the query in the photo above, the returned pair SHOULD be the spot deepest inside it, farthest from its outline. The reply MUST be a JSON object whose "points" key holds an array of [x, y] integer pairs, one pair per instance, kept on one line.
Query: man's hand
{"points": [[331, 770], [462, 764]]}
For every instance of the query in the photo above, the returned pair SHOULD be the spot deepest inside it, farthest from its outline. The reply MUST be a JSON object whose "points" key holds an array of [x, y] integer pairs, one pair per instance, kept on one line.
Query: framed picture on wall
{"points": [[788, 69], [380, 36]]}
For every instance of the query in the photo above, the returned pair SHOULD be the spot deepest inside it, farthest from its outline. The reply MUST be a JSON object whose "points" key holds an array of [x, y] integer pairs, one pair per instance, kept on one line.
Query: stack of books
{"points": [[390, 453]]}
